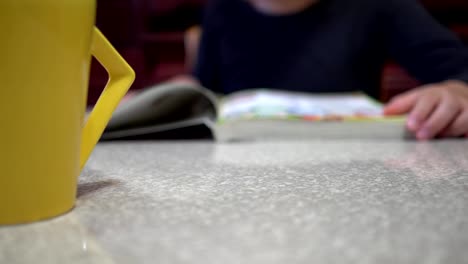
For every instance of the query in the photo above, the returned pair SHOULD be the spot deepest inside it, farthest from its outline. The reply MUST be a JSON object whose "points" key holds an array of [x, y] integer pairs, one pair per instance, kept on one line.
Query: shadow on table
{"points": [[87, 188]]}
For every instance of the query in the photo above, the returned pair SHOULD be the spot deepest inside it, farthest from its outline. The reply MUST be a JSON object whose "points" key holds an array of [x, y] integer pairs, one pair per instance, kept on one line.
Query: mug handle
{"points": [[121, 77]]}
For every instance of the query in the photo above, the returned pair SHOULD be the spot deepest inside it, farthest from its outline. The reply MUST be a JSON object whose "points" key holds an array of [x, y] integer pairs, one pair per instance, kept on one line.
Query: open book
{"points": [[259, 114]]}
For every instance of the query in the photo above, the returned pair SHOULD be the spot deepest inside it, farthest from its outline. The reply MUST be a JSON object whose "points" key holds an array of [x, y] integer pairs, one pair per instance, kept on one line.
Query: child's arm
{"points": [[436, 57]]}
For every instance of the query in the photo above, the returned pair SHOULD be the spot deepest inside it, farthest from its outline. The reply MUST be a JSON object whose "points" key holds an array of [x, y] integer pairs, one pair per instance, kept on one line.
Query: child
{"points": [[338, 46]]}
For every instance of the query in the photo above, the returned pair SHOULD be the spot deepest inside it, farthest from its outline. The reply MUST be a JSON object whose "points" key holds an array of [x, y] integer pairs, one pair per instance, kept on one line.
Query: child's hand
{"points": [[434, 110]]}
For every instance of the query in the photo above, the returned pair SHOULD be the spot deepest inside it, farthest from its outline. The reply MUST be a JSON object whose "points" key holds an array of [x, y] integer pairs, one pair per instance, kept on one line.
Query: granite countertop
{"points": [[331, 201]]}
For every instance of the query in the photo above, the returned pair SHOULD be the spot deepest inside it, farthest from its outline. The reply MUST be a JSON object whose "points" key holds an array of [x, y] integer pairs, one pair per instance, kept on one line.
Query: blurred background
{"points": [[159, 39]]}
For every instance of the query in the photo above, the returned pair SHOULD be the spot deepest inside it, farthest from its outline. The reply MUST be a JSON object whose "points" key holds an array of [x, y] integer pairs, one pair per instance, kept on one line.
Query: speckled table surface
{"points": [[332, 201]]}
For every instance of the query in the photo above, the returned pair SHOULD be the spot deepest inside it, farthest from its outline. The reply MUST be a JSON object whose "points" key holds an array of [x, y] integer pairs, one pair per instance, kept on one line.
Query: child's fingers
{"points": [[459, 126], [445, 112], [421, 111], [401, 104]]}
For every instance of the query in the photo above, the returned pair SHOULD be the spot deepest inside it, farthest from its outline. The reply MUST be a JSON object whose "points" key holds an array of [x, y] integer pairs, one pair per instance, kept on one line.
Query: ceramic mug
{"points": [[45, 51]]}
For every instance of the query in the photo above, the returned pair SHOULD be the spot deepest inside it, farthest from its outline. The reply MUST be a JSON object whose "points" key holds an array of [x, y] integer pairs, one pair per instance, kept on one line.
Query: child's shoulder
{"points": [[220, 12], [225, 5]]}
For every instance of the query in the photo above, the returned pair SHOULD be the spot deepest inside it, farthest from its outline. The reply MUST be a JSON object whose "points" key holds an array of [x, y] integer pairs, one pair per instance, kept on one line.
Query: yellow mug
{"points": [[45, 54]]}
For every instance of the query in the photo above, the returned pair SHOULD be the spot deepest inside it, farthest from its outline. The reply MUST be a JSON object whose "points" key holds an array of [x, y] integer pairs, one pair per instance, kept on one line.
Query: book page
{"points": [[269, 104], [163, 104]]}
